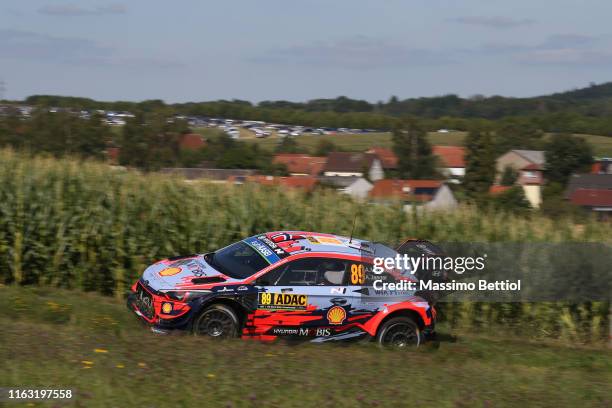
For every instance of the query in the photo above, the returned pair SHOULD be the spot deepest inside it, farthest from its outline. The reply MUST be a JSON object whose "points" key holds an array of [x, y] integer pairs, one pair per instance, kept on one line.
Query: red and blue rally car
{"points": [[289, 284]]}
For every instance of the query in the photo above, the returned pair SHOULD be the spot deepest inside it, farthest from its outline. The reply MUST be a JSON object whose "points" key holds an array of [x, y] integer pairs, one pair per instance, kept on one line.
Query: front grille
{"points": [[144, 301]]}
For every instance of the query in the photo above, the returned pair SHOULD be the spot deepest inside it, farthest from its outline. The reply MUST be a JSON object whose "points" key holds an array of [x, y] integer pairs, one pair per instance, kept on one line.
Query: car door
{"points": [[310, 293]]}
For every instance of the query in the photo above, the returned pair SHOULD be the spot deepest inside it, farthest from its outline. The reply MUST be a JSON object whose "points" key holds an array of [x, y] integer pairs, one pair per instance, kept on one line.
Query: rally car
{"points": [[288, 284]]}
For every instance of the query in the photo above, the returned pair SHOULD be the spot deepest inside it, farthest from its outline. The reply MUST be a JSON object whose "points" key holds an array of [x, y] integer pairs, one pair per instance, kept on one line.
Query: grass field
{"points": [[602, 145], [358, 142], [64, 339]]}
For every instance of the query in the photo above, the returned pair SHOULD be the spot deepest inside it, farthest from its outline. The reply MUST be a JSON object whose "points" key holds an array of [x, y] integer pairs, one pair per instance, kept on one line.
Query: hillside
{"points": [[94, 346], [594, 100]]}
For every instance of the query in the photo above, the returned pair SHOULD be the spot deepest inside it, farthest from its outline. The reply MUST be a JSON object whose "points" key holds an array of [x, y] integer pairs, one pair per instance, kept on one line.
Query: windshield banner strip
{"points": [[262, 249]]}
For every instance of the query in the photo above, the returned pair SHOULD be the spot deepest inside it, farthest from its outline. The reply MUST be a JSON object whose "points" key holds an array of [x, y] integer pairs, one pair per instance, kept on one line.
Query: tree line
{"points": [[587, 110]]}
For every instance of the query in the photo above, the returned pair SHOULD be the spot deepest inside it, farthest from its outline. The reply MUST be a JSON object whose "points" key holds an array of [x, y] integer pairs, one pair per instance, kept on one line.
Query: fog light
{"points": [[167, 308]]}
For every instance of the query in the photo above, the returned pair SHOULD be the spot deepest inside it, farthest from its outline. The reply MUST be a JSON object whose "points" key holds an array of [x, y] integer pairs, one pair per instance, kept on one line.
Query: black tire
{"points": [[399, 333], [217, 321]]}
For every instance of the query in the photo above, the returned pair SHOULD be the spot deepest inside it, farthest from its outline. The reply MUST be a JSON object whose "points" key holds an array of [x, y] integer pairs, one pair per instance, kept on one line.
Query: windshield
{"points": [[238, 261]]}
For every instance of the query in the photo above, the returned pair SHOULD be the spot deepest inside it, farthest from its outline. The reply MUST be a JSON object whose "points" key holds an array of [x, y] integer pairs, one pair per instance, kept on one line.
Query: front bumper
{"points": [[147, 306]]}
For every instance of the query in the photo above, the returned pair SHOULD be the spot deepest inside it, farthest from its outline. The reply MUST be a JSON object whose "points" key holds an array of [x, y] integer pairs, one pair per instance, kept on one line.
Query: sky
{"points": [[195, 50]]}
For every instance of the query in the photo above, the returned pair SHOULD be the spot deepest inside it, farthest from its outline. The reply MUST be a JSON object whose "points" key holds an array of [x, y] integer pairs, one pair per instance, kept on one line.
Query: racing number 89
{"points": [[357, 274], [266, 298]]}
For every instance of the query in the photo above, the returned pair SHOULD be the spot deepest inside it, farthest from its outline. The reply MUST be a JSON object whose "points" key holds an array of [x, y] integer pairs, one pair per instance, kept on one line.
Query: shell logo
{"points": [[336, 315], [170, 272], [167, 308]]}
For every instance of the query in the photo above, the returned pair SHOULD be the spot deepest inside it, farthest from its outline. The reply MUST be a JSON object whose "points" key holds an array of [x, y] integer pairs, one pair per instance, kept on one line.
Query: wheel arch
{"points": [[407, 310], [411, 313], [234, 304]]}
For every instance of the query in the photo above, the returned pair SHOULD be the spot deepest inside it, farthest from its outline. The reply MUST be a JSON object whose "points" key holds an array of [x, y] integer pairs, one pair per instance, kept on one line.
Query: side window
{"points": [[308, 272]]}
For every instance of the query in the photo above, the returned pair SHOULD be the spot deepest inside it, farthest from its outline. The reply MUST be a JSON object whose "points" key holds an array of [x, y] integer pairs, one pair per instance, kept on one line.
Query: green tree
{"points": [[512, 200], [565, 155], [288, 145], [480, 163], [516, 134], [413, 150], [61, 133], [509, 176], [325, 147]]}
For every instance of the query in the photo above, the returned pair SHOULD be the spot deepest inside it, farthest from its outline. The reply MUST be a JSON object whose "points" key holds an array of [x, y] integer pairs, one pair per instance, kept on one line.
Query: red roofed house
{"points": [[592, 192], [602, 166], [431, 194], [386, 156], [192, 141], [301, 164], [452, 161], [497, 189]]}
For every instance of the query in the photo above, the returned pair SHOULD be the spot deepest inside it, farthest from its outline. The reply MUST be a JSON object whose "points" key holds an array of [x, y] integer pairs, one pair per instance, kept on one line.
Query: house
{"points": [[429, 194], [387, 158], [301, 164], [592, 192], [602, 166], [451, 161], [348, 164], [356, 187], [497, 189], [192, 141], [529, 164]]}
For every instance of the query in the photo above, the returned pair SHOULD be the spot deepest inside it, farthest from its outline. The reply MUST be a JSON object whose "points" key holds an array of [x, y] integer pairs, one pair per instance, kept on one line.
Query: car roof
{"points": [[299, 242]]}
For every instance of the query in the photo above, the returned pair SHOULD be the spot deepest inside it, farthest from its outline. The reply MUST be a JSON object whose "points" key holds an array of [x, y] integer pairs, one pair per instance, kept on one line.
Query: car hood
{"points": [[182, 273]]}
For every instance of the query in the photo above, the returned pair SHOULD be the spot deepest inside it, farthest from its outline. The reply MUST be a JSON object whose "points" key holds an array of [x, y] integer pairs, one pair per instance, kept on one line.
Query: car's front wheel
{"points": [[399, 333], [217, 321]]}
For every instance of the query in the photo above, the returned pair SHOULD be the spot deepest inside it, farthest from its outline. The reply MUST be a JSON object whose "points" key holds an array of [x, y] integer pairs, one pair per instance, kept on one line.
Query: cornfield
{"points": [[85, 225]]}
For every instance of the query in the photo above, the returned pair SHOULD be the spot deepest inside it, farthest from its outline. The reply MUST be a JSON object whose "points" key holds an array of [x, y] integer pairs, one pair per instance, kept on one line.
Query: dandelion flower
{"points": [[87, 362], [100, 350], [120, 366], [210, 375]]}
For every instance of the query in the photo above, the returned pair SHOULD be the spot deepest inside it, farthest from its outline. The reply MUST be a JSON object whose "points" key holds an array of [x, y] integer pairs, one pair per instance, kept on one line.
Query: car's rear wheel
{"points": [[217, 321], [399, 333]]}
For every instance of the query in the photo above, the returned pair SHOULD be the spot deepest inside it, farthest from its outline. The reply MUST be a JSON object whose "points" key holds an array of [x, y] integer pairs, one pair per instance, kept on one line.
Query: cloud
{"points": [[74, 10], [558, 49], [353, 53], [566, 56], [28, 45], [568, 40], [498, 22], [31, 46]]}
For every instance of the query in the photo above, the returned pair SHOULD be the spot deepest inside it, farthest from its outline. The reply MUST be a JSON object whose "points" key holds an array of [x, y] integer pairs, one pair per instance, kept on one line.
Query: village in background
{"points": [[511, 163]]}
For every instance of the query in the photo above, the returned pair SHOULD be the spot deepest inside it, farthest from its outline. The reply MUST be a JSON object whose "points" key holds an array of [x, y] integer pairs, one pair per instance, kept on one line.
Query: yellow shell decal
{"points": [[170, 272], [167, 308], [336, 315]]}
